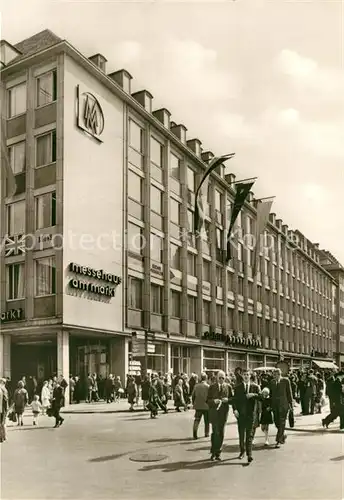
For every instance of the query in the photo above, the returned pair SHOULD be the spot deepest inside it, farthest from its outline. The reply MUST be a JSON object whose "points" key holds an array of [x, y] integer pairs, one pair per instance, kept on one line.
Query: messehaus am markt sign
{"points": [[85, 285]]}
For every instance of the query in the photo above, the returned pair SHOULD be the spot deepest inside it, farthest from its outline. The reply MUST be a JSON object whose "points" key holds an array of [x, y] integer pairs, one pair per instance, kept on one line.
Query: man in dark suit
{"points": [[245, 399], [219, 396], [281, 403]]}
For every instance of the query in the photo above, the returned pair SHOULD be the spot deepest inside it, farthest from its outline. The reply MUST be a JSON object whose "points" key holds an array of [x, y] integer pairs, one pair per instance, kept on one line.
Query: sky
{"points": [[261, 78]]}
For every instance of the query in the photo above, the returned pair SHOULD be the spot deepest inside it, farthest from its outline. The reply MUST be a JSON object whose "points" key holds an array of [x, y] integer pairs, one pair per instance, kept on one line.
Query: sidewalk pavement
{"points": [[102, 407]]}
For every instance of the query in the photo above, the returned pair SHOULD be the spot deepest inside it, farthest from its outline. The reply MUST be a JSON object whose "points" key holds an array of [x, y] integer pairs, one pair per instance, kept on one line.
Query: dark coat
{"points": [[219, 413], [58, 400], [281, 395]]}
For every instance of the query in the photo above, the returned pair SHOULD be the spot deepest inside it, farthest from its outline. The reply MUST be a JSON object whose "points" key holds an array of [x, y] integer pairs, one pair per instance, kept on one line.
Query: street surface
{"points": [[89, 458]]}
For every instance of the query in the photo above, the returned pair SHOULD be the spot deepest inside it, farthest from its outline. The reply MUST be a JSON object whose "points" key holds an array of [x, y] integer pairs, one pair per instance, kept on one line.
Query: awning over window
{"points": [[329, 365]]}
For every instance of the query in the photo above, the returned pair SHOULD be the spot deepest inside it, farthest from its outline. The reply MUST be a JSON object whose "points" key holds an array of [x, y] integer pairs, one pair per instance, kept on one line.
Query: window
{"points": [[175, 211], [134, 186], [156, 152], [16, 156], [218, 200], [156, 247], [229, 282], [240, 286], [46, 149], [46, 88], [45, 276], [230, 315], [136, 144], [250, 323], [157, 299], [135, 286], [175, 256], [156, 200], [45, 210], [219, 276], [240, 252], [219, 320], [17, 100], [191, 179], [206, 270], [206, 312], [175, 166], [175, 303], [192, 308], [15, 281], [241, 321], [191, 264], [135, 239], [15, 218]]}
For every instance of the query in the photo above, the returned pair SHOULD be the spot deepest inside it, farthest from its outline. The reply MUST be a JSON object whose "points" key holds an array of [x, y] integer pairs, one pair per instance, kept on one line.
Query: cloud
{"points": [[306, 75], [294, 65]]}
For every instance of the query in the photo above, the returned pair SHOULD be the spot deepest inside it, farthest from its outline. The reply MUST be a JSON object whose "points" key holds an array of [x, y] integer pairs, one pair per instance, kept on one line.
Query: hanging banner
{"points": [[263, 211], [242, 191], [199, 208]]}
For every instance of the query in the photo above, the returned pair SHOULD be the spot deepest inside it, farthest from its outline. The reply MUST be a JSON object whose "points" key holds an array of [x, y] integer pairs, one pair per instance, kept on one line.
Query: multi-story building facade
{"points": [[333, 266], [105, 196]]}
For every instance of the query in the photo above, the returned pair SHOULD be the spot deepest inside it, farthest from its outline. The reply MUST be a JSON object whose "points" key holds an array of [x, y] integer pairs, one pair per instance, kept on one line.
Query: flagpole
{"points": [[263, 199], [243, 180]]}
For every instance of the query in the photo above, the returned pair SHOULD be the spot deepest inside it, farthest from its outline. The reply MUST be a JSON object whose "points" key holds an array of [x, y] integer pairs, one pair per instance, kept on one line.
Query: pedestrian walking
{"points": [[57, 403], [219, 396], [20, 399], [245, 406], [36, 408], [199, 399], [4, 403], [266, 417], [281, 403]]}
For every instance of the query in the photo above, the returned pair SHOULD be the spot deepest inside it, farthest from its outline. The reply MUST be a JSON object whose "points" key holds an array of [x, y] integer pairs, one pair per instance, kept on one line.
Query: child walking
{"points": [[266, 416], [36, 409]]}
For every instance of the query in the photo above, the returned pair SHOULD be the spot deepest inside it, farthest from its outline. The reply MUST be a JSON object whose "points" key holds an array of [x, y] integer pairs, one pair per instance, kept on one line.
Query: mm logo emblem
{"points": [[90, 117]]}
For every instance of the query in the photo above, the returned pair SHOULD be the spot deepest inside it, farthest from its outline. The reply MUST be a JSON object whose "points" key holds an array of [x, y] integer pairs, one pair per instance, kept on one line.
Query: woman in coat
{"points": [[45, 396], [20, 399], [132, 392], [154, 400], [145, 391]]}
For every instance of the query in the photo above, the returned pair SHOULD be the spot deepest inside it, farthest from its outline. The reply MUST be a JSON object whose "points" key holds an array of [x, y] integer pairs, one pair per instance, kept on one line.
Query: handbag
{"points": [[291, 419], [12, 416]]}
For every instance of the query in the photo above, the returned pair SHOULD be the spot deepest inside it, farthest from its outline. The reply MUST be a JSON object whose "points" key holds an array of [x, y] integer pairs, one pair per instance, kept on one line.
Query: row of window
{"points": [[135, 301], [45, 214], [45, 279], [46, 92], [45, 152]]}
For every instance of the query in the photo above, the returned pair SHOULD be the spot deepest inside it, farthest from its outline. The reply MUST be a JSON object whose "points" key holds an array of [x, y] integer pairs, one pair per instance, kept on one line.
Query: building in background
{"points": [[334, 267], [98, 240]]}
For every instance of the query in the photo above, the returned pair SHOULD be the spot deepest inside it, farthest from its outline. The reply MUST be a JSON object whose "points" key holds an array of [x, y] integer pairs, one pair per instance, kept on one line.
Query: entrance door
{"points": [[38, 361]]}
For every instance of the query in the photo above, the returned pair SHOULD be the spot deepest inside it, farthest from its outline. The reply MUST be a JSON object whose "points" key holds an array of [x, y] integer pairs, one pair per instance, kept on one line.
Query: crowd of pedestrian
{"points": [[258, 398]]}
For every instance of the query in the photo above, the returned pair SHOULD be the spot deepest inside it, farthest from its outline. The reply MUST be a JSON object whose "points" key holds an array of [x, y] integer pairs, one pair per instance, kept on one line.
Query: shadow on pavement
{"points": [[198, 465], [231, 448], [108, 458], [337, 459], [170, 440], [33, 428]]}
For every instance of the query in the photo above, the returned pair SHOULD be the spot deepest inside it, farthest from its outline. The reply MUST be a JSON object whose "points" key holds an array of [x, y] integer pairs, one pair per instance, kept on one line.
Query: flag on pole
{"points": [[263, 211], [5, 163], [199, 208], [242, 190]]}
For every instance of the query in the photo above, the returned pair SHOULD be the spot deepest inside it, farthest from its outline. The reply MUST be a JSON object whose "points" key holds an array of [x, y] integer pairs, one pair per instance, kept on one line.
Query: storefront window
{"points": [[213, 359], [155, 360], [236, 361], [180, 359], [255, 361], [271, 361]]}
